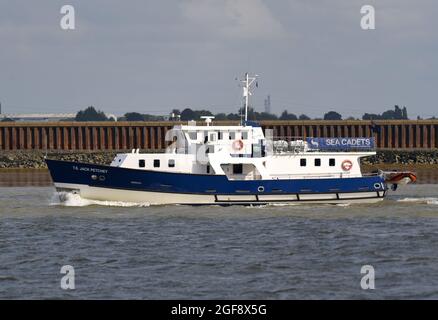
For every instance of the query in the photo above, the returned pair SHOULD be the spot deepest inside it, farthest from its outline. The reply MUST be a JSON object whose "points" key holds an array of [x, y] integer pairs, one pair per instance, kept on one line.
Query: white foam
{"points": [[284, 204], [75, 200], [426, 200]]}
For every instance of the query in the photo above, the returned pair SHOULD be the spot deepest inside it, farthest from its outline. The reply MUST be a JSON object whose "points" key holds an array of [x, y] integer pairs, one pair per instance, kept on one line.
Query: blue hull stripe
{"points": [[153, 181]]}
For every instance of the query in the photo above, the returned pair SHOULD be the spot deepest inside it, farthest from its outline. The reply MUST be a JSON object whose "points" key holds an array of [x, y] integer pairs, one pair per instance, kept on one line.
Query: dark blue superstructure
{"points": [[145, 180]]}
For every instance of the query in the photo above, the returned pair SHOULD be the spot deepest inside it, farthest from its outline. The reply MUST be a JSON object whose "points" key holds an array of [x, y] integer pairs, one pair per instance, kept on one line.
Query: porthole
{"points": [[377, 186], [94, 177], [101, 178], [261, 189]]}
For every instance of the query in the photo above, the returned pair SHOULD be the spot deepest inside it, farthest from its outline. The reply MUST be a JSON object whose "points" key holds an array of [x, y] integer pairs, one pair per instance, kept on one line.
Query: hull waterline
{"points": [[161, 198]]}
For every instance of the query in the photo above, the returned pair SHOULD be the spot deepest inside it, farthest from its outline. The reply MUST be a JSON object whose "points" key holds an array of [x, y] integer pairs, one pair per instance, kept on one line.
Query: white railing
{"points": [[298, 144], [323, 175], [285, 176]]}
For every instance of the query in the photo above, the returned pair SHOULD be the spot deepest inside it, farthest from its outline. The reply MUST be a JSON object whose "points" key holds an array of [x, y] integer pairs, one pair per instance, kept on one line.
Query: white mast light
{"points": [[247, 82]]}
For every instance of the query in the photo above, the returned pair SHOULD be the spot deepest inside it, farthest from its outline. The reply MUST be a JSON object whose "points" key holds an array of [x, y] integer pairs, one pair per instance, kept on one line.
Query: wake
{"points": [[425, 200], [69, 199]]}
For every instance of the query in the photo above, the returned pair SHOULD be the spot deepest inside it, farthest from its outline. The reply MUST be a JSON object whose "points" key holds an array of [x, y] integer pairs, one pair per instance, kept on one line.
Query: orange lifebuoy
{"points": [[400, 176], [238, 145], [346, 165]]}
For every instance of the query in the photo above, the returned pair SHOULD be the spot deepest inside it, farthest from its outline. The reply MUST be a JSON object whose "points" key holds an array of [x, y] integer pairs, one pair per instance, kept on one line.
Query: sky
{"points": [[154, 56]]}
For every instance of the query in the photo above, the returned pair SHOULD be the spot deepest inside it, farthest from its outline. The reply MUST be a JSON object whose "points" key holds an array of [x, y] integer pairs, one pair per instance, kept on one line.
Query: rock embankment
{"points": [[35, 159], [403, 157]]}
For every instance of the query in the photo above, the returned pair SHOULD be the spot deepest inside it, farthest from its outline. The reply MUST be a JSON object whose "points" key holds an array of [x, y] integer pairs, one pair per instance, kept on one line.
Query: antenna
{"points": [[208, 119], [247, 82]]}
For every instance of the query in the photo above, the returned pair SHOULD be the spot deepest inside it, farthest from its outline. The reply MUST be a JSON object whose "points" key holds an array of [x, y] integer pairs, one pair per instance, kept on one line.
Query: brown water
{"points": [[25, 178], [126, 251]]}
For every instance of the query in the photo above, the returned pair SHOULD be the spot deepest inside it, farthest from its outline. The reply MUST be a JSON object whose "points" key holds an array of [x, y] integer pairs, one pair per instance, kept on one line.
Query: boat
{"points": [[208, 164]]}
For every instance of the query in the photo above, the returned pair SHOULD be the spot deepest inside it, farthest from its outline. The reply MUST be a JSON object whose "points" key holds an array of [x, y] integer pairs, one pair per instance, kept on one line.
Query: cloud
{"points": [[233, 19], [308, 53]]}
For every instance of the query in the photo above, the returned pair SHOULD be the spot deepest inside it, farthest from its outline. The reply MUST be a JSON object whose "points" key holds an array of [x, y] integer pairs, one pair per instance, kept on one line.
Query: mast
{"points": [[247, 82]]}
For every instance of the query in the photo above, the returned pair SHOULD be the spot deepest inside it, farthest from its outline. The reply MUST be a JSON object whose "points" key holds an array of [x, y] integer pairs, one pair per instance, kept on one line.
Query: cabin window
{"points": [[171, 163], [206, 139], [156, 163], [332, 162], [232, 135], [141, 163], [244, 135], [212, 136], [208, 169], [303, 162], [317, 162], [219, 135], [238, 168], [193, 135]]}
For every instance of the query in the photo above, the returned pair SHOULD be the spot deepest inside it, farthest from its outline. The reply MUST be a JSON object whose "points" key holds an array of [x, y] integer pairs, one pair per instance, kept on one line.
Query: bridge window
{"points": [[232, 135], [238, 168], [171, 163], [303, 162], [219, 135], [332, 162], [141, 163], [317, 162], [156, 163], [244, 135], [193, 135]]}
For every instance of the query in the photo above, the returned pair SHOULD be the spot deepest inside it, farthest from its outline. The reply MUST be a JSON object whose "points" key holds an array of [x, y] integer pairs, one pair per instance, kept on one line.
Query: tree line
{"points": [[91, 114]]}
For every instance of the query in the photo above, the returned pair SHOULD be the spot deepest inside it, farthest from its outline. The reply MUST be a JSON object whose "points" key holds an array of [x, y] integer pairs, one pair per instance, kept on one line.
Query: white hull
{"points": [[161, 198]]}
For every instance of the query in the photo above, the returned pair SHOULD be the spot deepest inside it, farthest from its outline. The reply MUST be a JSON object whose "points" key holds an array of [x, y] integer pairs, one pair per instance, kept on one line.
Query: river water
{"points": [[122, 250]]}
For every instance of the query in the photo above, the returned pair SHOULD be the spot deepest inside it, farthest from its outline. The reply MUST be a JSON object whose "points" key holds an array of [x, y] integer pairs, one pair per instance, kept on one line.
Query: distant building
{"points": [[48, 117], [268, 104]]}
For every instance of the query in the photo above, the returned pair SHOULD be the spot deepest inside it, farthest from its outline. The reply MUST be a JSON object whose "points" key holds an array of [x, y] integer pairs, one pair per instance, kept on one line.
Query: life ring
{"points": [[346, 165], [237, 145]]}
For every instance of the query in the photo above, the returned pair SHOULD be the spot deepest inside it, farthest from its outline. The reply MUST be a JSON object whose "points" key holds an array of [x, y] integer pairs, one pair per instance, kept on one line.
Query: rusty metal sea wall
{"points": [[112, 136]]}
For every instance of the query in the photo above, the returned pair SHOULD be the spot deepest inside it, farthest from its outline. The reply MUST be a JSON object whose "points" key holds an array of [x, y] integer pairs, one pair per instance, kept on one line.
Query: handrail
{"points": [[302, 176]]}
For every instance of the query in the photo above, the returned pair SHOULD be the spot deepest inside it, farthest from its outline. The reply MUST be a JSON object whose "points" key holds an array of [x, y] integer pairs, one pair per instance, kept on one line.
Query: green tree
{"points": [[220, 116], [288, 116], [151, 117], [233, 116], [134, 116], [371, 116], [304, 117], [332, 115], [396, 114], [91, 114], [188, 114], [265, 116], [404, 113]]}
